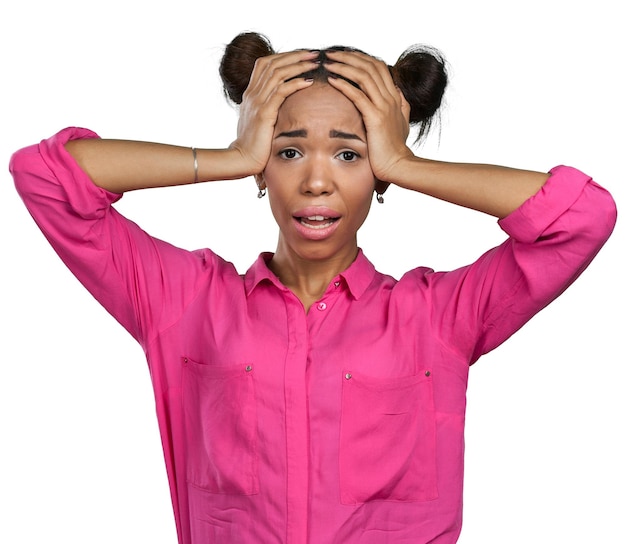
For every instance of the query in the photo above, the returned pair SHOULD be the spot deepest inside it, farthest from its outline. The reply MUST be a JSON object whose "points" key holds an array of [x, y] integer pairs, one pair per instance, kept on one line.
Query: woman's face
{"points": [[318, 177]]}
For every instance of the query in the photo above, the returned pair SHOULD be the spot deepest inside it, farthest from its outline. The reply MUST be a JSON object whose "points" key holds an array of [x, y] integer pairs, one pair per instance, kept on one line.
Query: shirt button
{"points": [[337, 283], [321, 306], [348, 376], [248, 368]]}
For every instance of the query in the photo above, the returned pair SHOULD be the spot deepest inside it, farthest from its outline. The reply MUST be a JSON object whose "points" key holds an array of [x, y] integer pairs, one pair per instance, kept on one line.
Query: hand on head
{"points": [[273, 79], [388, 98], [382, 105]]}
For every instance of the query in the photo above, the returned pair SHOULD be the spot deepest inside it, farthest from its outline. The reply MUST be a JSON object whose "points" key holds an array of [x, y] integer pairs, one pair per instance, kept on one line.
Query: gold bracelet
{"points": [[195, 165]]}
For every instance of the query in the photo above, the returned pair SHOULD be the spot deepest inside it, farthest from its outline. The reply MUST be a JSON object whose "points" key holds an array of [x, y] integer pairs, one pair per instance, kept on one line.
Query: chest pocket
{"points": [[220, 428], [387, 447]]}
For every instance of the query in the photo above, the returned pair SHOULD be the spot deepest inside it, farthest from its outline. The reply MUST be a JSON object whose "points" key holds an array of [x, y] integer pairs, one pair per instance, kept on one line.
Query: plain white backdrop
{"points": [[533, 85]]}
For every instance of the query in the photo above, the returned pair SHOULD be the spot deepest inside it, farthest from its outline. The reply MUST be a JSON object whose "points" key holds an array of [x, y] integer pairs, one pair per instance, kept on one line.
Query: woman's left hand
{"points": [[384, 109], [487, 188]]}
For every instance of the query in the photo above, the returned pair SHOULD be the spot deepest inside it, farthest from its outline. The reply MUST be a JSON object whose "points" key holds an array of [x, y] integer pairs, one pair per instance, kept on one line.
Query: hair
{"points": [[420, 73]]}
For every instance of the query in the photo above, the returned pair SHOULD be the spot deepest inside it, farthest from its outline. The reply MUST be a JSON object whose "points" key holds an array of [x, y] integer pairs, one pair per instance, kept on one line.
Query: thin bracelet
{"points": [[195, 165]]}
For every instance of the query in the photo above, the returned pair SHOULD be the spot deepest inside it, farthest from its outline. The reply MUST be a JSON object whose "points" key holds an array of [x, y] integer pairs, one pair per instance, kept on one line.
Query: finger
{"points": [[278, 83], [362, 101], [285, 65], [282, 59], [394, 114], [277, 95], [371, 74], [367, 84], [375, 100], [363, 61]]}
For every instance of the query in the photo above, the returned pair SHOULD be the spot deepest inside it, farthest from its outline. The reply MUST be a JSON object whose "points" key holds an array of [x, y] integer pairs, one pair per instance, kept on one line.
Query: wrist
{"points": [[222, 164], [402, 171]]}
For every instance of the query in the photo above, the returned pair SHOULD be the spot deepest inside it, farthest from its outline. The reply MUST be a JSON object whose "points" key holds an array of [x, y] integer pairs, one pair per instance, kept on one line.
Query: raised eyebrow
{"points": [[344, 135]]}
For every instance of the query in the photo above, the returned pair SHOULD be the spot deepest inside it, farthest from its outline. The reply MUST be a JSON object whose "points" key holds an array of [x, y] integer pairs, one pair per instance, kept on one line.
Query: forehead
{"points": [[319, 105]]}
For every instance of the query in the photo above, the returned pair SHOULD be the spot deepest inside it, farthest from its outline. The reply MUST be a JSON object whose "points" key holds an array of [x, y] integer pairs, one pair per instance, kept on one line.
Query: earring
{"points": [[380, 198], [260, 183]]}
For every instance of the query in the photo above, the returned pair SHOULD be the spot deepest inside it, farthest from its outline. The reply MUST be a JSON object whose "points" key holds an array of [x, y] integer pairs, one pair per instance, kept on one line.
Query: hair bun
{"points": [[421, 75], [238, 62]]}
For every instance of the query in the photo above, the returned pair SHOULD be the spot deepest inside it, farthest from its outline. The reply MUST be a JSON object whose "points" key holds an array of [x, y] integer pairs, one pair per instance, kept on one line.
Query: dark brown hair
{"points": [[420, 73]]}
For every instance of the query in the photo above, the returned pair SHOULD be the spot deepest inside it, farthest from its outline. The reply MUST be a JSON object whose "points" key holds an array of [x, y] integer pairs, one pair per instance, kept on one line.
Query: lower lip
{"points": [[311, 233]]}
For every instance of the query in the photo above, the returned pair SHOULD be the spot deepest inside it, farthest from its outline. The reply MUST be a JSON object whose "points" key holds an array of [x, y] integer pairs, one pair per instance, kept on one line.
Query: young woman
{"points": [[313, 399]]}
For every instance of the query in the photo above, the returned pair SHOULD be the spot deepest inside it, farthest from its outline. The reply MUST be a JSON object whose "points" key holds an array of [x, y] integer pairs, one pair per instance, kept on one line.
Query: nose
{"points": [[317, 178]]}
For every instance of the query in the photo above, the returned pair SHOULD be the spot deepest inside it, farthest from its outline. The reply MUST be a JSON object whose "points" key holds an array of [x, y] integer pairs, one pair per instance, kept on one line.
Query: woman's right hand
{"points": [[273, 79], [120, 165]]}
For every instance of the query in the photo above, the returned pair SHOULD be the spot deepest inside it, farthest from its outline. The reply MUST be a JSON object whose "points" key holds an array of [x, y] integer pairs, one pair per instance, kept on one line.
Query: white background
{"points": [[533, 84]]}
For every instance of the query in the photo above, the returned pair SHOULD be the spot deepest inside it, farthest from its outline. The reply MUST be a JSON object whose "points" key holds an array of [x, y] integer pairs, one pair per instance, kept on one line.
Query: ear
{"points": [[260, 181], [381, 186]]}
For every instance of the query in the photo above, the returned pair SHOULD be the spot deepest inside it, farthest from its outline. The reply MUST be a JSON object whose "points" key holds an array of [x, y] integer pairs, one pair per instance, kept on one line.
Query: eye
{"points": [[288, 154], [348, 156]]}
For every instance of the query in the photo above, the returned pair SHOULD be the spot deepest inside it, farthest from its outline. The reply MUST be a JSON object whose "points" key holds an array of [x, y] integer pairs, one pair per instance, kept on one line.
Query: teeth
{"points": [[316, 226]]}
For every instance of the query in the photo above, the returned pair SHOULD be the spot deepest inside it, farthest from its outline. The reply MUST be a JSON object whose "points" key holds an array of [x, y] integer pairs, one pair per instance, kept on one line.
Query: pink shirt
{"points": [[343, 425]]}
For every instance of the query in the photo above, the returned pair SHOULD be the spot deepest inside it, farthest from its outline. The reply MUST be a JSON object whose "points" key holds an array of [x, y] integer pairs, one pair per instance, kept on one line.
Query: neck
{"points": [[309, 278]]}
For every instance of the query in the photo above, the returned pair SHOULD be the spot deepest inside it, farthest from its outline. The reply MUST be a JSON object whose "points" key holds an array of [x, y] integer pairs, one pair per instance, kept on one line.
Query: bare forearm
{"points": [[495, 190], [123, 165]]}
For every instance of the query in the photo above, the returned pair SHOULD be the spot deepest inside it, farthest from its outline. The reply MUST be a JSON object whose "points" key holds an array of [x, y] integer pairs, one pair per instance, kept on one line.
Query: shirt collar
{"points": [[357, 276]]}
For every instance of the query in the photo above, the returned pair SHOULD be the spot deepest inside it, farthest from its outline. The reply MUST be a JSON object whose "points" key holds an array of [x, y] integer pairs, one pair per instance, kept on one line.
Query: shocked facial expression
{"points": [[318, 177]]}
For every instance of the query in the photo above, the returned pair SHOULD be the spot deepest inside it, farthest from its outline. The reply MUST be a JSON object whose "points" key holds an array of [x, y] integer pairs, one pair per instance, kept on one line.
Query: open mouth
{"points": [[316, 221]]}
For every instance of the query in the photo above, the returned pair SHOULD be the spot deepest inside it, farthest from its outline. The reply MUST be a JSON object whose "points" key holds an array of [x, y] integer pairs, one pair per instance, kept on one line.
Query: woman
{"points": [[313, 399]]}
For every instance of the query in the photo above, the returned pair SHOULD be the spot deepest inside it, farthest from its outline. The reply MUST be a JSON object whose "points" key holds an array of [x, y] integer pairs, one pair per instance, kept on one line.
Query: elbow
{"points": [[602, 212], [21, 165]]}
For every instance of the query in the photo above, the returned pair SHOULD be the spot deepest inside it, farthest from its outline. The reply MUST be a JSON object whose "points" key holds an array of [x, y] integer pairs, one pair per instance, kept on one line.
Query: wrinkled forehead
{"points": [[319, 105]]}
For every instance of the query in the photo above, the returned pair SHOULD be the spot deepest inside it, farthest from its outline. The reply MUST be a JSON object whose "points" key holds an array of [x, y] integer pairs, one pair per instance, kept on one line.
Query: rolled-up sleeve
{"points": [[142, 281], [553, 237]]}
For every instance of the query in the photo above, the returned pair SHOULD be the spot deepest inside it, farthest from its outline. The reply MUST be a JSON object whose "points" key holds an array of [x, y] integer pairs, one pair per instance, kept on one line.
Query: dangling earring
{"points": [[379, 197], [260, 183]]}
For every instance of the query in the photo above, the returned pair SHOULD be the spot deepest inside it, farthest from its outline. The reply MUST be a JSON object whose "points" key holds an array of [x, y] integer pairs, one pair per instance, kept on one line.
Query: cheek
{"points": [[279, 194], [364, 188], [361, 199], [275, 174], [272, 179], [366, 204]]}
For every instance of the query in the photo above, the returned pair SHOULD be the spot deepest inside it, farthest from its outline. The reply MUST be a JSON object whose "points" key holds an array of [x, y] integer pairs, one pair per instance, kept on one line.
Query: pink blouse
{"points": [[341, 425]]}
